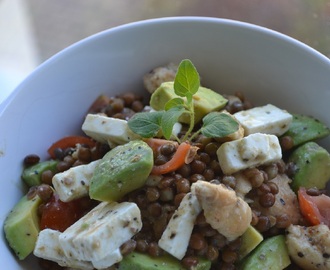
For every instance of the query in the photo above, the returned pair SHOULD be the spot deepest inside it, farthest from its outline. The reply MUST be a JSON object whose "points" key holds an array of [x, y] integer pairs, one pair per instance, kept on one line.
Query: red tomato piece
{"points": [[155, 143], [176, 161], [70, 141], [58, 215], [316, 209]]}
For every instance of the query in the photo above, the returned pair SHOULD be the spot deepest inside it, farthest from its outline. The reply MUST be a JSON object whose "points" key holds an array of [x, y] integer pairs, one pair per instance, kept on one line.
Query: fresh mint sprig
{"points": [[169, 118], [146, 124], [218, 125], [186, 82], [186, 85]]}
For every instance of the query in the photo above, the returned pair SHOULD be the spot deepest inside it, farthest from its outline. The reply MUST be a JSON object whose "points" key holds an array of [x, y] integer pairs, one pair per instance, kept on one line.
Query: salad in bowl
{"points": [[180, 177]]}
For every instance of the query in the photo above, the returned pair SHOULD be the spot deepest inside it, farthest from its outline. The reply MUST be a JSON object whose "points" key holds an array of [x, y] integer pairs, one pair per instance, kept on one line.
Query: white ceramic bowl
{"points": [[230, 55]]}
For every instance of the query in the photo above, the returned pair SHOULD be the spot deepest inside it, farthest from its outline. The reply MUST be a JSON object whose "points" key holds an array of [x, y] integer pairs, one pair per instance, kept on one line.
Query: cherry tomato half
{"points": [[70, 141], [316, 209], [58, 215]]}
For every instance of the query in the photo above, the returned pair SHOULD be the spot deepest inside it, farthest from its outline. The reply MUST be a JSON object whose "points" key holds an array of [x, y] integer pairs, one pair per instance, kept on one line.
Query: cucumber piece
{"points": [[139, 261], [250, 240], [312, 164], [305, 128], [205, 101], [271, 254], [22, 226], [122, 170], [32, 175]]}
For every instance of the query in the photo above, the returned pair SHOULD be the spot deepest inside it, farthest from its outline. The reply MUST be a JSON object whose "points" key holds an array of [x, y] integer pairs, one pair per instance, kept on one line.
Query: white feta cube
{"points": [[107, 129], [102, 231], [265, 119], [254, 147], [175, 238], [109, 260], [251, 151], [79, 227], [74, 183], [176, 129], [49, 248]]}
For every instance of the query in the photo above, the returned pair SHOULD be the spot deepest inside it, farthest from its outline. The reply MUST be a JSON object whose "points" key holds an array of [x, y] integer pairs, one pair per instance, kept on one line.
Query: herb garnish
{"points": [[186, 84]]}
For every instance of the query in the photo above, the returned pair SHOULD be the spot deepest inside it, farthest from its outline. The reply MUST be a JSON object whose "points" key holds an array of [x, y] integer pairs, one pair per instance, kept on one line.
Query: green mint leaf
{"points": [[186, 82], [169, 118], [218, 125], [146, 124], [175, 102]]}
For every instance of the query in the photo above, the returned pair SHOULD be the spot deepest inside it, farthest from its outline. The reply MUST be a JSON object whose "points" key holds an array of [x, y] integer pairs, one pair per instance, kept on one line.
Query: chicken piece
{"points": [[286, 202], [223, 210], [243, 185], [309, 247], [157, 76]]}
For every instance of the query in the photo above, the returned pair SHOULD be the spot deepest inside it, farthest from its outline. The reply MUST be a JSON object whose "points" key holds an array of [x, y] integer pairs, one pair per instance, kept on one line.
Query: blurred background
{"points": [[34, 30]]}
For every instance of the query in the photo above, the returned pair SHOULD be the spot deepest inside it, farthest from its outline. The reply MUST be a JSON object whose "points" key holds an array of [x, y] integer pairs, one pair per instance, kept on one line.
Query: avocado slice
{"points": [[22, 226], [205, 101], [250, 240], [122, 170], [271, 254], [139, 261], [32, 174], [312, 164], [305, 128]]}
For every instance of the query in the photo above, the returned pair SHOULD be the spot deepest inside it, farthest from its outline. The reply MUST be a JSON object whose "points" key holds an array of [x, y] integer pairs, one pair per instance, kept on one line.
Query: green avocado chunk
{"points": [[312, 164], [305, 128], [205, 101], [139, 261], [249, 241], [271, 254], [122, 170], [32, 174], [22, 226]]}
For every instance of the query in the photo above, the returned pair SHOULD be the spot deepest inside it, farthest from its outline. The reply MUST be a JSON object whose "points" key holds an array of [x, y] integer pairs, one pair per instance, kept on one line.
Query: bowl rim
{"points": [[167, 20]]}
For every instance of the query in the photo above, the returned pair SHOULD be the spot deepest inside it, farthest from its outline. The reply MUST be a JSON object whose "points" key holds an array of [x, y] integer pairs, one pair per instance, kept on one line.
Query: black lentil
{"points": [[46, 177], [30, 160], [267, 200]]}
